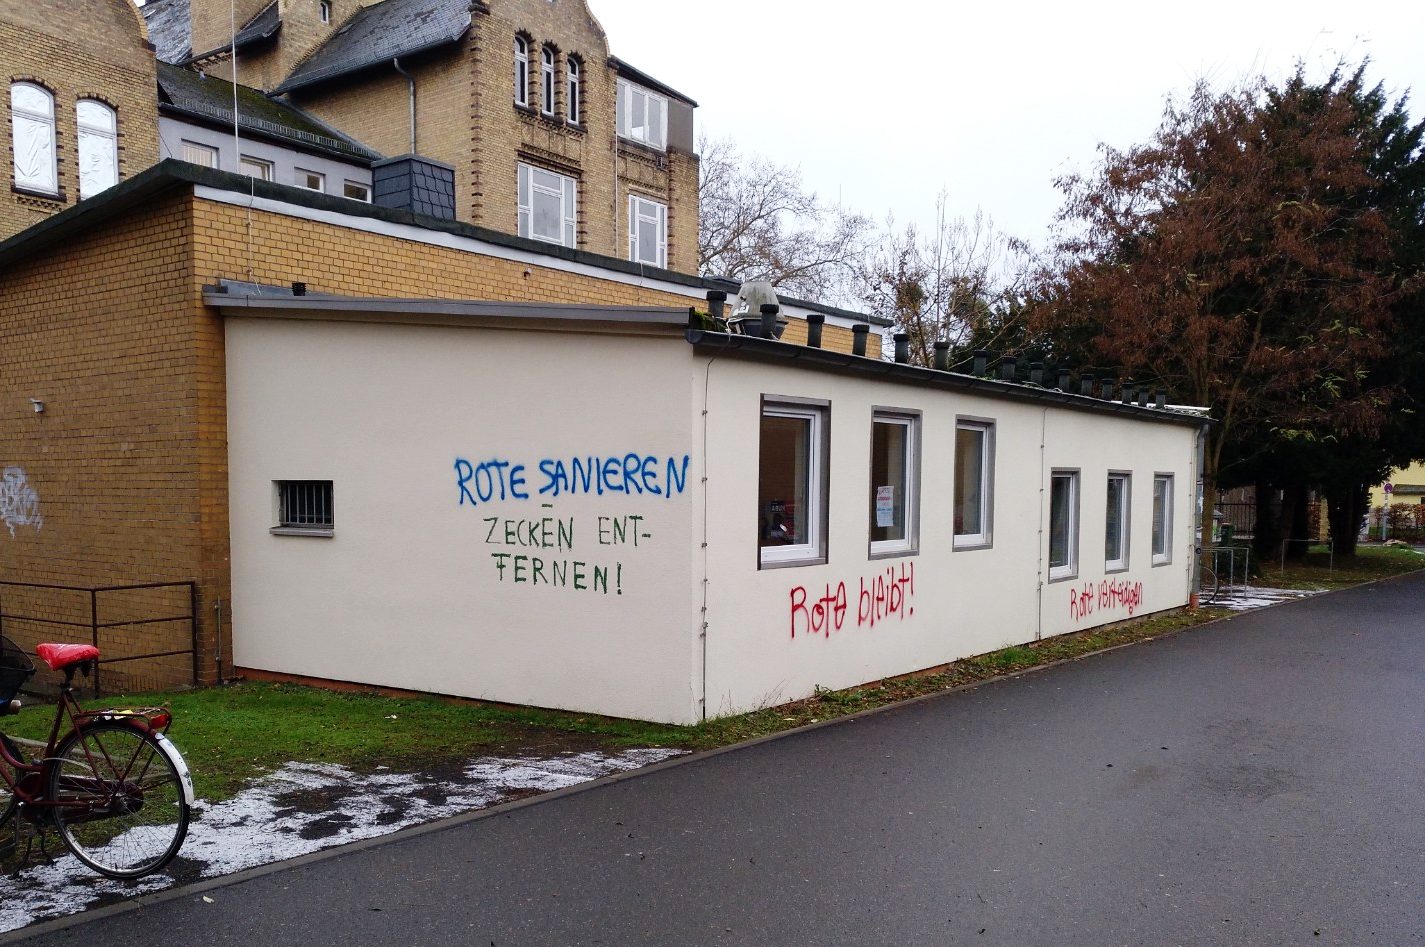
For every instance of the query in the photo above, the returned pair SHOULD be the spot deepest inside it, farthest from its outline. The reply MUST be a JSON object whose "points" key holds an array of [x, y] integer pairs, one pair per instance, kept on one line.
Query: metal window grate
{"points": [[305, 504]]}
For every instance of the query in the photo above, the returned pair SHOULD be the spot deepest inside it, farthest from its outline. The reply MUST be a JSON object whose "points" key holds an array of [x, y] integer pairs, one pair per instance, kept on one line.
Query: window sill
{"points": [[302, 531], [54, 197], [1161, 562], [970, 545], [1115, 570], [898, 552], [633, 144], [1067, 577], [792, 563]]}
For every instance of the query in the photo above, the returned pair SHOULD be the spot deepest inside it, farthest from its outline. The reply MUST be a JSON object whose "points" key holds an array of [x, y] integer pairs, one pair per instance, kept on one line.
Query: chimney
{"points": [[416, 184], [1036, 373], [1065, 380], [716, 298], [980, 362], [902, 347], [769, 320], [942, 355], [1007, 368], [1086, 384], [1160, 398]]}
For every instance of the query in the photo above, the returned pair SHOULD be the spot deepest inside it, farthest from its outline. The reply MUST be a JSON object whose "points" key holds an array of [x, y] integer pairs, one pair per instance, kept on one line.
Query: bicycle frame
{"points": [[32, 779]]}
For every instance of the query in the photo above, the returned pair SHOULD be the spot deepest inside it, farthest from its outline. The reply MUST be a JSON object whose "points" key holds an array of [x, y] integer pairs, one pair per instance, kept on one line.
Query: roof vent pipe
{"points": [[716, 298], [1130, 391], [814, 323], [1007, 367], [1086, 384], [858, 338], [769, 320], [902, 347], [1143, 397], [299, 289], [1064, 380], [1036, 373], [980, 363], [1160, 398], [942, 354]]}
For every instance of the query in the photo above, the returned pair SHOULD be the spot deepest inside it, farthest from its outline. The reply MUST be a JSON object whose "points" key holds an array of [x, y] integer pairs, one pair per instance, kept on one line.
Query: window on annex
{"points": [[642, 115], [33, 138], [326, 10], [1115, 545], [356, 191], [546, 80], [547, 209], [791, 483], [311, 180], [647, 231], [1063, 524], [255, 168], [1162, 519], [974, 483], [522, 71], [98, 146], [895, 483], [304, 506], [575, 99], [204, 155]]}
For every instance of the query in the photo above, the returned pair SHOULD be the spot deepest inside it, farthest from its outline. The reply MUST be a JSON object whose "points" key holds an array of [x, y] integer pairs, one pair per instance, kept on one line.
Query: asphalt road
{"points": [[1257, 781]]}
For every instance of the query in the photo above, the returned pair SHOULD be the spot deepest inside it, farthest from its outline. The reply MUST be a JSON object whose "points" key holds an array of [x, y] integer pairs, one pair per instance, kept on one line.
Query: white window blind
{"points": [[98, 147], [32, 130]]}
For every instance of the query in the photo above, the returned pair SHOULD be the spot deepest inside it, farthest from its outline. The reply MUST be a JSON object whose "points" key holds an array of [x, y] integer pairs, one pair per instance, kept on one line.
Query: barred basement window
{"points": [[304, 507]]}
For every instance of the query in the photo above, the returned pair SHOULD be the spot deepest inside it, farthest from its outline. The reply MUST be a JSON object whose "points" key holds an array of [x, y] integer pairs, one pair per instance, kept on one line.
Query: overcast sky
{"points": [[887, 103]]}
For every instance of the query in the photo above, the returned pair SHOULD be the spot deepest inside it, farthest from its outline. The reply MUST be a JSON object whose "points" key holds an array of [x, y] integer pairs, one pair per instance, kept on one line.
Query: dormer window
{"points": [[546, 81], [326, 10], [522, 71], [642, 115], [33, 138], [575, 98]]}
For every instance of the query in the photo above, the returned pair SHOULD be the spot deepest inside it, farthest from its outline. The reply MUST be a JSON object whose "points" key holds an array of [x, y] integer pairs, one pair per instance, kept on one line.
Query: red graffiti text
{"points": [[1105, 596], [883, 596]]}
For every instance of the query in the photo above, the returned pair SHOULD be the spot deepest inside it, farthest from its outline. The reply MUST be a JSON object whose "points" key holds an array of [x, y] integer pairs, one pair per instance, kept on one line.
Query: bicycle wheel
{"points": [[123, 811], [1208, 587]]}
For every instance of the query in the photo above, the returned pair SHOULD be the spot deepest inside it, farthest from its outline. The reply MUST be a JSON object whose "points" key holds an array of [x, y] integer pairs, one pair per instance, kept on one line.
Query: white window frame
{"points": [[1125, 504], [642, 209], [265, 167], [575, 105], [1163, 519], [192, 148], [547, 85], [909, 487], [365, 190], [1070, 569], [652, 134], [983, 539], [325, 8], [303, 173], [19, 117], [528, 184], [522, 71], [105, 136], [813, 551]]}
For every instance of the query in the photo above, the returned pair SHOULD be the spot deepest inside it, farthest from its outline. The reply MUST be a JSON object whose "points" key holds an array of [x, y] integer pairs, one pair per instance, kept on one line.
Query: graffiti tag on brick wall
{"points": [[582, 553], [1105, 596], [19, 503], [879, 598]]}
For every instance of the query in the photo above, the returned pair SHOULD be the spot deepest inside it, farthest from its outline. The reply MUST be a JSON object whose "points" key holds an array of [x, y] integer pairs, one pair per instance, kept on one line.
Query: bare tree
{"points": [[956, 282], [759, 222]]}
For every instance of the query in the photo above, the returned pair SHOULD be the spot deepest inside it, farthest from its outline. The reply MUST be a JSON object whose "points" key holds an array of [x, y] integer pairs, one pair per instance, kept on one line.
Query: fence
{"points": [[146, 634]]}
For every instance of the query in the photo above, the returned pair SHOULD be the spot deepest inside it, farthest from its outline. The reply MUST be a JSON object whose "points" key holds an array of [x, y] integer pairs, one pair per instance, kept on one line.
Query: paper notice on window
{"points": [[885, 506]]}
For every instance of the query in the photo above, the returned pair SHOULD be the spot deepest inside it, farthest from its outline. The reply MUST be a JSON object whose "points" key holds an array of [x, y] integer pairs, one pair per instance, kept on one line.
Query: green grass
{"points": [[231, 734], [1316, 571]]}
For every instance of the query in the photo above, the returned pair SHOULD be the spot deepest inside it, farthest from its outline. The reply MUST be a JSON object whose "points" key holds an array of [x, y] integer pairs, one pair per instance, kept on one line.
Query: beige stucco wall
{"points": [[1412, 476], [408, 591], [963, 602]]}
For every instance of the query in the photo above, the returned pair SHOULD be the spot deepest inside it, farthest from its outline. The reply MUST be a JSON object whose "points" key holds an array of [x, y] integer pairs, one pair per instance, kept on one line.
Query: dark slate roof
{"points": [[169, 29], [644, 79], [380, 33], [210, 99]]}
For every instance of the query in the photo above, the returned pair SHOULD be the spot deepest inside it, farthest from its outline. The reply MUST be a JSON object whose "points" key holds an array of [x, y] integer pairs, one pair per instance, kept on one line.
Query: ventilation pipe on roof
{"points": [[980, 362], [1036, 373], [769, 320], [1086, 384], [1007, 367], [1130, 391], [858, 338], [814, 324], [1065, 380], [716, 298], [942, 354], [410, 81], [902, 347]]}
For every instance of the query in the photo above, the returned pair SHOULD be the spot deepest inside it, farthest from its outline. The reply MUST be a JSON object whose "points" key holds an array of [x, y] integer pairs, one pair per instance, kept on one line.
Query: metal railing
{"points": [[51, 612]]}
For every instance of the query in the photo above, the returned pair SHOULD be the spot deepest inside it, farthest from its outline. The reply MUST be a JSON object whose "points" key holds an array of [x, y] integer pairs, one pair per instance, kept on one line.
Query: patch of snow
{"points": [[1242, 598], [302, 808]]}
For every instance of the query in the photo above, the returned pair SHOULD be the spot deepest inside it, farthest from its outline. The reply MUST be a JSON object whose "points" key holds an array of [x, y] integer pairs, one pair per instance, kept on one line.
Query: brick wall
{"points": [[77, 49]]}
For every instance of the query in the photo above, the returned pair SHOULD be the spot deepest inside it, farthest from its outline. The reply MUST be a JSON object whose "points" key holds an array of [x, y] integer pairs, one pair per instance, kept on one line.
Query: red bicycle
{"points": [[111, 783]]}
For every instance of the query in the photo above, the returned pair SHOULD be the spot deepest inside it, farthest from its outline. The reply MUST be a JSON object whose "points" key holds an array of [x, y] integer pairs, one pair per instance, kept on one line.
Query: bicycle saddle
{"points": [[61, 656]]}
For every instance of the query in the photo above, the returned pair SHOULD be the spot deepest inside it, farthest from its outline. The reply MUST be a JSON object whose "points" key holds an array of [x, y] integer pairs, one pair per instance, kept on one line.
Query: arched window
{"points": [[547, 80], [98, 147], [32, 130], [521, 71], [575, 98]]}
